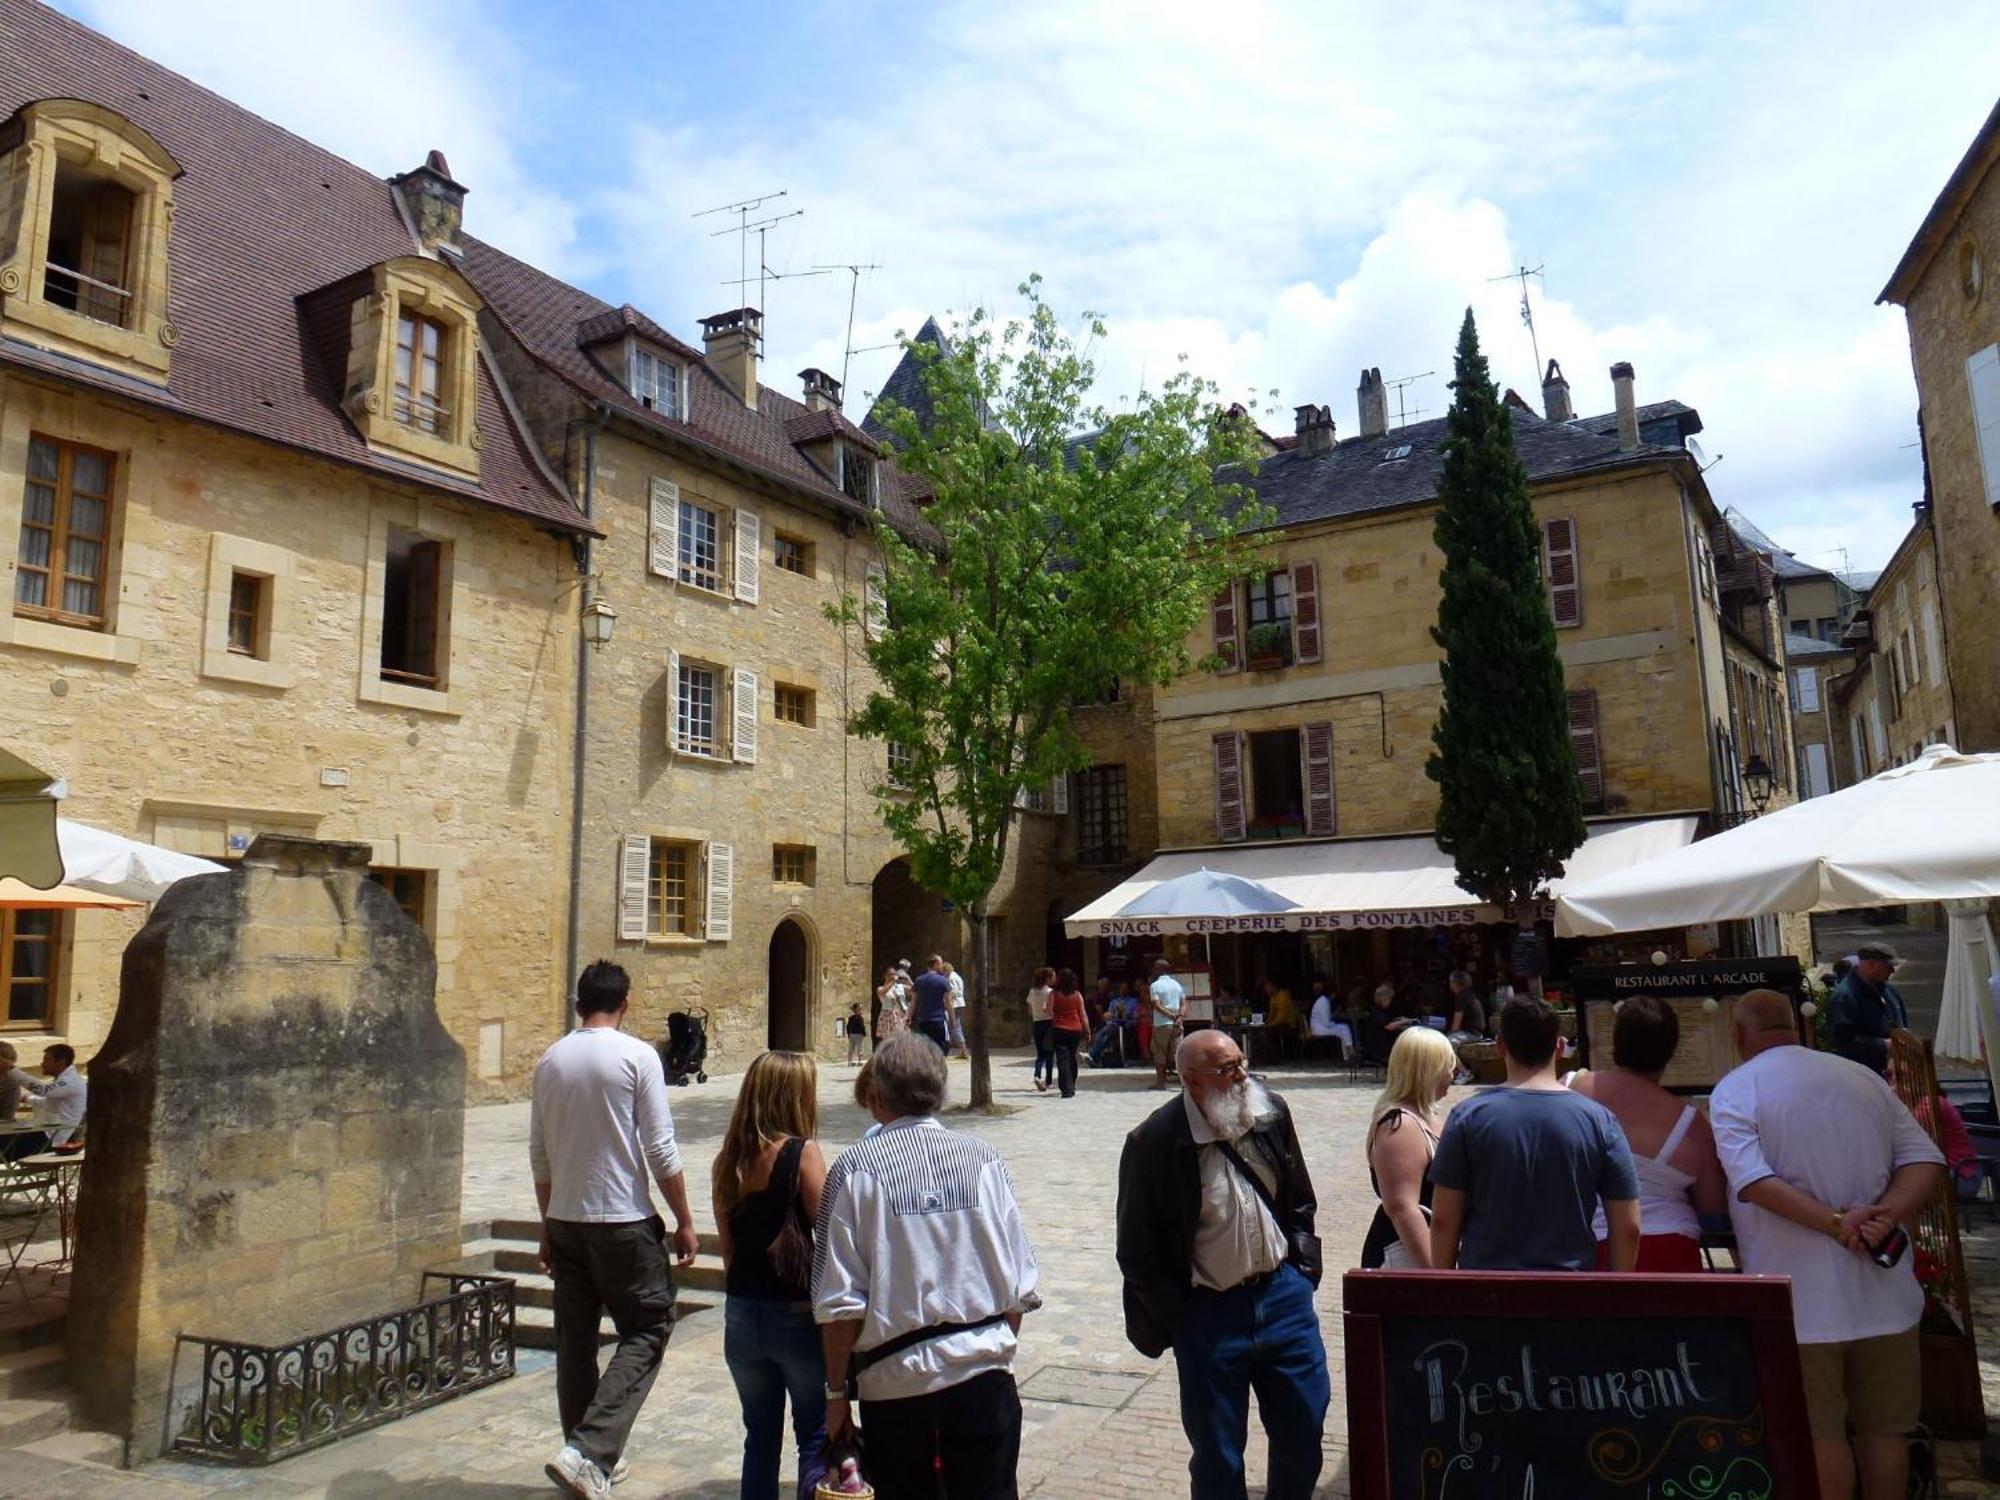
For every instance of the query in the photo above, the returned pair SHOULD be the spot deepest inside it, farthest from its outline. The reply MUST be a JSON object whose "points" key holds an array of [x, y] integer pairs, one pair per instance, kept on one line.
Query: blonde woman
{"points": [[1402, 1137], [768, 1179]]}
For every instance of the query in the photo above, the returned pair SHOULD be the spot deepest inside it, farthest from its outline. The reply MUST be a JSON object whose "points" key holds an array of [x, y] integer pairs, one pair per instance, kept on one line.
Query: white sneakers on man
{"points": [[581, 1477]]}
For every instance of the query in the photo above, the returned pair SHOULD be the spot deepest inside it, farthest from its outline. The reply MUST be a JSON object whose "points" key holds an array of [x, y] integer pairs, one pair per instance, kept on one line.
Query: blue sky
{"points": [[1282, 193]]}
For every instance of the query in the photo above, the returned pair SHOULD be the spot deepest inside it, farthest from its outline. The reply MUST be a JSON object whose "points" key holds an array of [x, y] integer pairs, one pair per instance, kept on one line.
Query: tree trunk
{"points": [[975, 1009]]}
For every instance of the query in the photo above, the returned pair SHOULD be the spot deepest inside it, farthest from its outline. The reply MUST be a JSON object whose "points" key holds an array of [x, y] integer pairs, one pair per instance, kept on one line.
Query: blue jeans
{"points": [[1265, 1339], [1045, 1058], [773, 1349]]}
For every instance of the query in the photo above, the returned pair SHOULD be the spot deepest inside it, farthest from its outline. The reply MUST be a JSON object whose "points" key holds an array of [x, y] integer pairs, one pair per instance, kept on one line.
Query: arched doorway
{"points": [[908, 922], [790, 988]]}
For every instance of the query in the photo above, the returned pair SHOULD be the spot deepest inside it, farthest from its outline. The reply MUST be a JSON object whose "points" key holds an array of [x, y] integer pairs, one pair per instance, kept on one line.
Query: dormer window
{"points": [[654, 380], [420, 345], [857, 474], [90, 244]]}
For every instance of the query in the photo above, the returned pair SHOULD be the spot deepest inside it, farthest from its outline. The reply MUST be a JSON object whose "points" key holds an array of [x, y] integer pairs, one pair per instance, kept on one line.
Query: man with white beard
{"points": [[1219, 1258]]}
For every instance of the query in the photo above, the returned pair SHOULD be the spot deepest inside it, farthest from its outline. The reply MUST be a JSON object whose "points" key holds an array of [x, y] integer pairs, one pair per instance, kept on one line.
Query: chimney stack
{"points": [[1555, 395], [1628, 411], [435, 204], [1372, 398], [730, 340], [1314, 428], [822, 390]]}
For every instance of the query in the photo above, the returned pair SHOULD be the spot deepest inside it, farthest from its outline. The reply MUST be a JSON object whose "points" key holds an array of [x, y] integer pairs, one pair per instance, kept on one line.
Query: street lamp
{"points": [[598, 620], [1759, 780]]}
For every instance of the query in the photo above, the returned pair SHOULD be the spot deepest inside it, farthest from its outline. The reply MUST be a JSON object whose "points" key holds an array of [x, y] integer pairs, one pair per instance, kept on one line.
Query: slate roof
{"points": [[1659, 422], [544, 313], [1784, 563], [1359, 476], [1797, 645], [262, 219], [905, 385]]}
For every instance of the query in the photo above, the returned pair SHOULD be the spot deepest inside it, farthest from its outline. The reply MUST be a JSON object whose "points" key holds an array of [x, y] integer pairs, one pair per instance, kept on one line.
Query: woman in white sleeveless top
{"points": [[1680, 1176]]}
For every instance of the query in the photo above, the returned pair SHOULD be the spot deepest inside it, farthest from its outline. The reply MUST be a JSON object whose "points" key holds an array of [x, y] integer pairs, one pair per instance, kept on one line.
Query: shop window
{"points": [[1277, 785], [412, 617], [63, 558], [29, 947]]}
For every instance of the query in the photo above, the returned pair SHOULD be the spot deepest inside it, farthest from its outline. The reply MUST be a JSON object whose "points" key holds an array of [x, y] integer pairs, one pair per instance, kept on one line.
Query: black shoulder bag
{"points": [[790, 1250], [1302, 1246]]}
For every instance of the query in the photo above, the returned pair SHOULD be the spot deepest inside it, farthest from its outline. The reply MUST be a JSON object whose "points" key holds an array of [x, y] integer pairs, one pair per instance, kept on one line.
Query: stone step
{"points": [[31, 1372], [522, 1262], [529, 1232], [23, 1419], [32, 1328], [105, 1449], [535, 1327]]}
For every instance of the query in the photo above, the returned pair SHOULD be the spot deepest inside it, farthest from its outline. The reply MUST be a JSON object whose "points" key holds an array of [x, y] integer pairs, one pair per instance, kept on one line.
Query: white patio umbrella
{"points": [[28, 798], [117, 866], [1207, 893], [1970, 962]]}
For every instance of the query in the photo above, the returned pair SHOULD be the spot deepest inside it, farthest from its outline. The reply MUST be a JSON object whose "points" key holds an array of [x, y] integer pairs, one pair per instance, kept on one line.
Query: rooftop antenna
{"points": [[742, 208], [1521, 274], [1399, 386], [764, 272], [853, 289]]}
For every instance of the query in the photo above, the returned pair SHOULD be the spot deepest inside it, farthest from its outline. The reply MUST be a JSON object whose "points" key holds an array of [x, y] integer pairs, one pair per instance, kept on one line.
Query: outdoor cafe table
{"points": [[65, 1169]]}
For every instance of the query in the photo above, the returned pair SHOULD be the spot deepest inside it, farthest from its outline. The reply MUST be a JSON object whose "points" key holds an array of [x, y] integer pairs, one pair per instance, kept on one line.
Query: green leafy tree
{"points": [[1046, 569], [1510, 807]]}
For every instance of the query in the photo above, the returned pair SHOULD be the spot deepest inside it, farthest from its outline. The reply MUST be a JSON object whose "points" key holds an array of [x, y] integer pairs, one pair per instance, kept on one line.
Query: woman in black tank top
{"points": [[768, 1179]]}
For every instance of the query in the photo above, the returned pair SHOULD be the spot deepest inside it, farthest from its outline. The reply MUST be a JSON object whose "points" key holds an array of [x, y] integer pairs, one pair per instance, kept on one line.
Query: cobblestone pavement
{"points": [[1100, 1419]]}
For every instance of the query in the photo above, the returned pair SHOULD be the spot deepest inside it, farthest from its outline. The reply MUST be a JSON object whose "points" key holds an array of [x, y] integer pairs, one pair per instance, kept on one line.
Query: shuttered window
{"points": [[694, 708], [663, 513], [1560, 572], [1982, 377], [875, 607], [1229, 821], [1805, 690], [1305, 612], [1584, 741], [700, 546], [749, 554], [1222, 621], [721, 892], [1316, 748]]}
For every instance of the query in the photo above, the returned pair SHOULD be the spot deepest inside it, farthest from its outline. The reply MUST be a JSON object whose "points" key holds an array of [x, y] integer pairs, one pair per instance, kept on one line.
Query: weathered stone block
{"points": [[276, 1075]]}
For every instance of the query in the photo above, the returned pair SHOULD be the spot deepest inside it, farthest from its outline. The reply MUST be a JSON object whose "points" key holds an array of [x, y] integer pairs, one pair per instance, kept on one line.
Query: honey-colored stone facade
{"points": [[1899, 698], [165, 735], [1953, 311]]}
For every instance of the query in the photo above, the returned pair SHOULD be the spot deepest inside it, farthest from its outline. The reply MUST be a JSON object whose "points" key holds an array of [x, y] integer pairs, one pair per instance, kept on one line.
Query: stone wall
{"points": [[276, 1127], [164, 738], [1946, 328]]}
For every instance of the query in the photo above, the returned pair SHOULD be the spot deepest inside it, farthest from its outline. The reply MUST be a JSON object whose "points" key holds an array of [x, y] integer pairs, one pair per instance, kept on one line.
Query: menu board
{"points": [[1506, 1385], [1706, 1049]]}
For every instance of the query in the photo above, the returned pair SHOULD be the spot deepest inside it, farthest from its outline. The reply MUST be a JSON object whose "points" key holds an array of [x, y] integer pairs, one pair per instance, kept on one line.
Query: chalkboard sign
{"points": [[1706, 1050], [1557, 1386]]}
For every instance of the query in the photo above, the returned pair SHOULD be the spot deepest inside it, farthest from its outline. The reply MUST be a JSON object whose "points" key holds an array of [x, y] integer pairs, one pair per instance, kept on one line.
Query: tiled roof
{"points": [[619, 321], [262, 218], [544, 313], [1754, 537], [816, 426], [1363, 474]]}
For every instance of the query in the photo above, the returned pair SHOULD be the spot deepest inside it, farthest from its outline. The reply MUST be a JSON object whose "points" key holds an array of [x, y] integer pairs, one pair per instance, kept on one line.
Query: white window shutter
{"points": [[1805, 689], [635, 852], [673, 700], [1059, 795], [1933, 656], [1560, 572], [875, 607], [743, 711], [1982, 377], [721, 892], [663, 527], [749, 554]]}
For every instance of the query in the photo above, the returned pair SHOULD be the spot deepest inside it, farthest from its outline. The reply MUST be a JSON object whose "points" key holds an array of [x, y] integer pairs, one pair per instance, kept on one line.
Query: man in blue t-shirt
{"points": [[1519, 1171], [931, 1016]]}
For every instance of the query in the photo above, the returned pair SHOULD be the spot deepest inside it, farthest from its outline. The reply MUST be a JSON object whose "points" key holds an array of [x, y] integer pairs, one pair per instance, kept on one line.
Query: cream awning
{"points": [[28, 849], [1347, 884]]}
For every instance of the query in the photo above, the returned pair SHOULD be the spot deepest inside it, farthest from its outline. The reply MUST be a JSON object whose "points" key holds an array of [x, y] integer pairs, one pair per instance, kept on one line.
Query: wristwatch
{"points": [[838, 1393], [1839, 1223]]}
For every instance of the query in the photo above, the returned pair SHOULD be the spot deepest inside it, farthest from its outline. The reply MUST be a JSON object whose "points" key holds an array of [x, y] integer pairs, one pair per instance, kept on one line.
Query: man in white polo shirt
{"points": [[1825, 1164], [598, 1127], [1166, 996]]}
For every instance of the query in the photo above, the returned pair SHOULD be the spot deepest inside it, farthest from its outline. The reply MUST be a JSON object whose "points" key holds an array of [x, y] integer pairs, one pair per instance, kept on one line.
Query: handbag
{"points": [[1302, 1246], [790, 1250]]}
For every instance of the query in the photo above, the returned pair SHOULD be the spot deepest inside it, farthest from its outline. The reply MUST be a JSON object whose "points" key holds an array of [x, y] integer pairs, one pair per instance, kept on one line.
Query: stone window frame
{"points": [[104, 142], [786, 544], [113, 640], [436, 291], [434, 523], [794, 864], [444, 898], [804, 701], [271, 667]]}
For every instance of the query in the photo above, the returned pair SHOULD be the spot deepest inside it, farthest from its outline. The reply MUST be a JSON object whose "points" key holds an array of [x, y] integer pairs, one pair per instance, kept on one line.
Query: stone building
{"points": [[1313, 736], [277, 554], [1826, 755], [1898, 698], [1943, 285]]}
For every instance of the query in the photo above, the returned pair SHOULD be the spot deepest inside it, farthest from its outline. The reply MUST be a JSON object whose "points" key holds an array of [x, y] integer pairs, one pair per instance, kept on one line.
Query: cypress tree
{"points": [[1510, 807]]}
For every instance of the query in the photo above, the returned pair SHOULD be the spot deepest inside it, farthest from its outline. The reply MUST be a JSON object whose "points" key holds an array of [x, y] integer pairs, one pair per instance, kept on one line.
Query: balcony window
{"points": [[90, 247], [411, 610]]}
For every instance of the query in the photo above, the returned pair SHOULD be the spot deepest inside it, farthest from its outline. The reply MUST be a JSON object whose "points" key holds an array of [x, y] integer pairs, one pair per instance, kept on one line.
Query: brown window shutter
{"points": [[1223, 617], [1229, 785], [1583, 740], [1316, 746], [1305, 612], [1564, 581]]}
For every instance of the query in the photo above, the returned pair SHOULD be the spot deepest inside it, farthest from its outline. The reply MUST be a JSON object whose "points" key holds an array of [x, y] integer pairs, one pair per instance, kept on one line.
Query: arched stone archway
{"points": [[790, 988]]}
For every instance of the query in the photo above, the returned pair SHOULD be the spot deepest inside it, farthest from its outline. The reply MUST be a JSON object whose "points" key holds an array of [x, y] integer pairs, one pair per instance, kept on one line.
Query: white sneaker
{"points": [[579, 1475]]}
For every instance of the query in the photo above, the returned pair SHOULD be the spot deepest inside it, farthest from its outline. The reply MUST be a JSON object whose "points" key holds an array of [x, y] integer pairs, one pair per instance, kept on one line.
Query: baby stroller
{"points": [[686, 1046]]}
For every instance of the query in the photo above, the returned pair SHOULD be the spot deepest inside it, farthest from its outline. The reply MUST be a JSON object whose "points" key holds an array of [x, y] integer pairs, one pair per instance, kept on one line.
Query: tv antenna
{"points": [[1521, 274], [853, 290], [761, 228], [1402, 384], [742, 208]]}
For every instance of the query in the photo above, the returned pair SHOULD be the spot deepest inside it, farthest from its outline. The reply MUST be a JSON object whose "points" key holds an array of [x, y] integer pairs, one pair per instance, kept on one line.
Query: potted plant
{"points": [[1269, 643]]}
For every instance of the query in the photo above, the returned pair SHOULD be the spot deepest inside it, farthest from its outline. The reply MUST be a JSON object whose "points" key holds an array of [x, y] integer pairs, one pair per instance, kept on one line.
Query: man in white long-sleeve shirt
{"points": [[922, 1270], [598, 1127]]}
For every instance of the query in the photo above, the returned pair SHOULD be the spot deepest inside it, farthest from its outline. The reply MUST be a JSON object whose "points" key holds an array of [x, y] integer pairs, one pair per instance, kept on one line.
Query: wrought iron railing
{"points": [[258, 1403]]}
